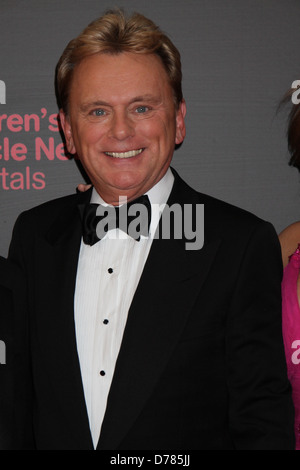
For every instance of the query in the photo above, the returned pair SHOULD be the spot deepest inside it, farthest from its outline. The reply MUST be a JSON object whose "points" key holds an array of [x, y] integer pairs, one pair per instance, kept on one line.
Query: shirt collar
{"points": [[158, 196]]}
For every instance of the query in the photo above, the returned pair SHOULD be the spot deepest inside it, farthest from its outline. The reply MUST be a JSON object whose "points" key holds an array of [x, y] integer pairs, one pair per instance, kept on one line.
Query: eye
{"points": [[142, 109], [98, 112]]}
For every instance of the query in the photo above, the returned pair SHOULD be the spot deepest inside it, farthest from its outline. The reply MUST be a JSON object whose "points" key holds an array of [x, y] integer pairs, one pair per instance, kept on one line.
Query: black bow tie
{"points": [[98, 219]]}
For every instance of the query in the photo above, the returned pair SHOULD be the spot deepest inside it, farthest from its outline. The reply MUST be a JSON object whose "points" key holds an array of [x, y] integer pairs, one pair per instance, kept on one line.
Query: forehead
{"points": [[119, 75]]}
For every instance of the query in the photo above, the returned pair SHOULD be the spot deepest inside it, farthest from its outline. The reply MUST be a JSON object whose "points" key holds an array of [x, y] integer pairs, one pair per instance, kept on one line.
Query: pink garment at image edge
{"points": [[291, 332]]}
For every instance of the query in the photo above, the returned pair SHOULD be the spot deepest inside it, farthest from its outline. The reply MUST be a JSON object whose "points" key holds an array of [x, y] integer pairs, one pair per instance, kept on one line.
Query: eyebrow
{"points": [[146, 97], [142, 98], [92, 104]]}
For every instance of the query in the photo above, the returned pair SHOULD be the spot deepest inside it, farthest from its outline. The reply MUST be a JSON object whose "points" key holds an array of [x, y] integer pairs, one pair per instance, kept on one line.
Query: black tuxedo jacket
{"points": [[201, 365], [10, 284]]}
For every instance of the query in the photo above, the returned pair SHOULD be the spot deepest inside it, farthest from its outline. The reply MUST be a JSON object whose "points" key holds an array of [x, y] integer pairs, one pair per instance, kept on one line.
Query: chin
{"points": [[126, 181]]}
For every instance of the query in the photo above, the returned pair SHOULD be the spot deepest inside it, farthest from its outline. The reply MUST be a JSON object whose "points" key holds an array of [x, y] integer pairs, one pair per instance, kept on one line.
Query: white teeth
{"points": [[131, 153]]}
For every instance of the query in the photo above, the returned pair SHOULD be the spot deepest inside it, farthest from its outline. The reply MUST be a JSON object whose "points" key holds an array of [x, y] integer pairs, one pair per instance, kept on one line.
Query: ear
{"points": [[180, 123], [66, 127]]}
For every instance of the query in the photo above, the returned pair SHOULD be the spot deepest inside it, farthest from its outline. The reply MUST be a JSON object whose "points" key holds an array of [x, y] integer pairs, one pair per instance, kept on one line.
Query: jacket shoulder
{"points": [[59, 211], [215, 209], [52, 206]]}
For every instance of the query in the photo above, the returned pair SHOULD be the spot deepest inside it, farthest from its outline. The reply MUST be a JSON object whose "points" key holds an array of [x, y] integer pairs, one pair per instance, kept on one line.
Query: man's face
{"points": [[122, 122]]}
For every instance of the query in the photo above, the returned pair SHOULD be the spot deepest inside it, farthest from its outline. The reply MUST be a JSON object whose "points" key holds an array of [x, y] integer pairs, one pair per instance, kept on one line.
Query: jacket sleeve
{"points": [[22, 431], [261, 411]]}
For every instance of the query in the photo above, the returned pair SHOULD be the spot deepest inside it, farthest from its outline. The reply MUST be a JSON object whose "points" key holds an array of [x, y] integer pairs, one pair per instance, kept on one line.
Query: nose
{"points": [[121, 126]]}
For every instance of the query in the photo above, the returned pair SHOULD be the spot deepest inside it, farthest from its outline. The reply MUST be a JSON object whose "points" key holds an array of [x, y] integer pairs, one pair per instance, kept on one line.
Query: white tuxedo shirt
{"points": [[107, 276]]}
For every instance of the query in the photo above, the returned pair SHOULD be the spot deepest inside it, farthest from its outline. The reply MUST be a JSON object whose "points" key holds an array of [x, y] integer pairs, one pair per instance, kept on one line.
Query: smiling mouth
{"points": [[129, 154]]}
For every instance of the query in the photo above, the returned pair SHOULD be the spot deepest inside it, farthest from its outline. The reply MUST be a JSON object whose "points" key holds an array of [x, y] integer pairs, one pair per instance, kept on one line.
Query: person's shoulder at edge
{"points": [[289, 239]]}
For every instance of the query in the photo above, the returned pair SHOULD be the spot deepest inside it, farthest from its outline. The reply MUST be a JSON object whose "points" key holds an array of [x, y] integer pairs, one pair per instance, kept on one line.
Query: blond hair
{"points": [[114, 33]]}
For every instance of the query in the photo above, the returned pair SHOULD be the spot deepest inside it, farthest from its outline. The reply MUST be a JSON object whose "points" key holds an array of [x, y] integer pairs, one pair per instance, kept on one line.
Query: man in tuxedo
{"points": [[145, 342]]}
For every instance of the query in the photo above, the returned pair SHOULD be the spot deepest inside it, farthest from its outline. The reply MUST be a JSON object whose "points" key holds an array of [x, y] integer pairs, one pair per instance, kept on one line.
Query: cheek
{"points": [[85, 140], [88, 136], [158, 131]]}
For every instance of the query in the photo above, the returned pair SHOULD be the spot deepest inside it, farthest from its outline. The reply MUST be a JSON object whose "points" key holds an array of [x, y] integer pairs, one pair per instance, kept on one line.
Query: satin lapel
{"points": [[171, 281], [55, 322]]}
